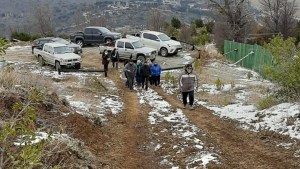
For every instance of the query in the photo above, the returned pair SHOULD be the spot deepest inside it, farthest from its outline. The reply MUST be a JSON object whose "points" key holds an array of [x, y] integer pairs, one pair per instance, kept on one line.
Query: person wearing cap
{"points": [[188, 83], [130, 71], [105, 61]]}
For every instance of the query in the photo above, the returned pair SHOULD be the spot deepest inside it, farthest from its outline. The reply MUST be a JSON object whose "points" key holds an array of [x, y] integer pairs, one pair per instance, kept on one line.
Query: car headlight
{"points": [[116, 36], [72, 49], [169, 45]]}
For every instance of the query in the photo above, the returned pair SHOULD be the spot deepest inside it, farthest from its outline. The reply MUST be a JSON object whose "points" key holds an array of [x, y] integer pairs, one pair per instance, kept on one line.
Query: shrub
{"points": [[176, 23], [2, 46], [202, 37], [170, 78], [286, 67], [219, 84], [21, 127], [249, 75], [20, 36], [232, 84], [267, 102]]}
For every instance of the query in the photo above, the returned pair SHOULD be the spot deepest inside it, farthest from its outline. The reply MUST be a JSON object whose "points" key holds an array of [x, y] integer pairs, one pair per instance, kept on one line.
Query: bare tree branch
{"points": [[156, 20], [236, 18], [279, 16]]}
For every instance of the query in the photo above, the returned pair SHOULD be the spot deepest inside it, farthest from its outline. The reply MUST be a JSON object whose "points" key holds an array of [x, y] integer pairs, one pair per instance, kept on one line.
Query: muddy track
{"points": [[129, 131], [239, 148]]}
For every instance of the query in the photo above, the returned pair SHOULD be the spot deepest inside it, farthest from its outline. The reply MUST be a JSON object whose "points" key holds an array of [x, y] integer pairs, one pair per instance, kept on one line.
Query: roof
{"points": [[45, 38], [128, 40], [97, 27], [54, 44], [152, 32]]}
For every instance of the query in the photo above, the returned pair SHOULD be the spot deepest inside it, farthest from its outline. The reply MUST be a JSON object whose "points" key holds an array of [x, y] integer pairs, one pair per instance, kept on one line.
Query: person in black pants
{"points": [[105, 61], [188, 83], [155, 73], [114, 56], [145, 73]]}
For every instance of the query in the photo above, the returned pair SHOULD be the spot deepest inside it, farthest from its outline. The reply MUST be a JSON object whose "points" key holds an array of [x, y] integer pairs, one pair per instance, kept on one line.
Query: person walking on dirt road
{"points": [[145, 73], [188, 83], [130, 71], [105, 61], [138, 76], [114, 57], [155, 73]]}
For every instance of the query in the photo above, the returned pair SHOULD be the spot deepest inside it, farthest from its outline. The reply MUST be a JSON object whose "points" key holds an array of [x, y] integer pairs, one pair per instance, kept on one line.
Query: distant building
{"points": [[121, 3], [171, 2]]}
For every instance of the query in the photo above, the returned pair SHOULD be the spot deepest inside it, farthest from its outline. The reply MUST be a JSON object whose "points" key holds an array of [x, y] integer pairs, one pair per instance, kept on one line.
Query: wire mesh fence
{"points": [[253, 57]]}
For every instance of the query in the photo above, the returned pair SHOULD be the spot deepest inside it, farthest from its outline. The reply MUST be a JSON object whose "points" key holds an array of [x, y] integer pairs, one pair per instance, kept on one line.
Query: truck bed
{"points": [[107, 46]]}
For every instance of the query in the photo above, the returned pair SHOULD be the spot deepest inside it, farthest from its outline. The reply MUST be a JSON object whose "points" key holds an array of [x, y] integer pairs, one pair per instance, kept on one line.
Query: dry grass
{"points": [[91, 58], [13, 80], [218, 99]]}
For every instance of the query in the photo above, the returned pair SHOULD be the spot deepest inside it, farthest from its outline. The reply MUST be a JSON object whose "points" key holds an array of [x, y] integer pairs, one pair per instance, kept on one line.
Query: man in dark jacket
{"points": [[145, 73], [188, 82], [130, 71], [105, 61], [114, 57]]}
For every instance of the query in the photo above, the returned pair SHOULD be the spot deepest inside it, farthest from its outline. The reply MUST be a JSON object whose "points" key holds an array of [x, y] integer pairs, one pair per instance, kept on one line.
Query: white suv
{"points": [[159, 41]]}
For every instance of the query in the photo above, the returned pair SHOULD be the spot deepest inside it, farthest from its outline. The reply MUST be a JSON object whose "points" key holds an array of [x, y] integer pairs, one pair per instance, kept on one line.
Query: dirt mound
{"points": [[8, 100]]}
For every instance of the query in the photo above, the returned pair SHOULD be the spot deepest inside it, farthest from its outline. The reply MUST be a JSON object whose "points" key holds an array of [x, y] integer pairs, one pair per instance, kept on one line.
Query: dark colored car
{"points": [[94, 35], [38, 43]]}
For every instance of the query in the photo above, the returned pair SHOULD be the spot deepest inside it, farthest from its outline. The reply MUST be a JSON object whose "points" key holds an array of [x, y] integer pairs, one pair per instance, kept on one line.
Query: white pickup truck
{"points": [[159, 41], [130, 47], [58, 55]]}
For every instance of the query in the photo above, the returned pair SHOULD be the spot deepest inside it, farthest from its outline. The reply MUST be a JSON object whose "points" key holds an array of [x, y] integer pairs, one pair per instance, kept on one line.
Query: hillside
{"points": [[97, 122]]}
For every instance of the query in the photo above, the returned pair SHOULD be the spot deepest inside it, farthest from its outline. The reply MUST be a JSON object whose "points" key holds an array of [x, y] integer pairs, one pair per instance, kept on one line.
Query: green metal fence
{"points": [[235, 52]]}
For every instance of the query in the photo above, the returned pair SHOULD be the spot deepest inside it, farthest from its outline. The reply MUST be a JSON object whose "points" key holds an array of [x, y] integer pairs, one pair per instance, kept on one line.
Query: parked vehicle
{"points": [[39, 43], [130, 47], [159, 41], [94, 35], [58, 55]]}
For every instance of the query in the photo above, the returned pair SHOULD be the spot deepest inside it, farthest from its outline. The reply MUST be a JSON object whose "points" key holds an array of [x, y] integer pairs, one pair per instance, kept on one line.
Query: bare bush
{"points": [[42, 17], [156, 20], [10, 79], [279, 16], [234, 21]]}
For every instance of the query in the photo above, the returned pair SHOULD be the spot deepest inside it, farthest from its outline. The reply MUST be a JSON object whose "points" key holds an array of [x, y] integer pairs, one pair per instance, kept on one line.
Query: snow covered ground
{"points": [[277, 118]]}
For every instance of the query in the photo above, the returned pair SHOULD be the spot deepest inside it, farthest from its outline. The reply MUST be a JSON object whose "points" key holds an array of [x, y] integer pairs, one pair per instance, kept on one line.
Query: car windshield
{"points": [[137, 44], [164, 37], [60, 40], [62, 50], [104, 30]]}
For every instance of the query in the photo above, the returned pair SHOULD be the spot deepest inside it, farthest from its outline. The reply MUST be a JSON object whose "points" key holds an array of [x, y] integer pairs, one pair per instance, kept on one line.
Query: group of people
{"points": [[143, 73], [147, 72]]}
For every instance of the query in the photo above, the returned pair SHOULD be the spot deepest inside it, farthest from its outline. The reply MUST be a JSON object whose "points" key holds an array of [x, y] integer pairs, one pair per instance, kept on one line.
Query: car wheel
{"points": [[79, 42], [108, 40], [58, 67], [141, 58], [163, 52], [41, 61], [77, 66]]}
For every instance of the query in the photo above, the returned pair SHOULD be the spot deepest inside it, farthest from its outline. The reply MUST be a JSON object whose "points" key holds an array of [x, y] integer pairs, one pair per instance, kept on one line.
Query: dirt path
{"points": [[129, 131], [239, 148]]}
